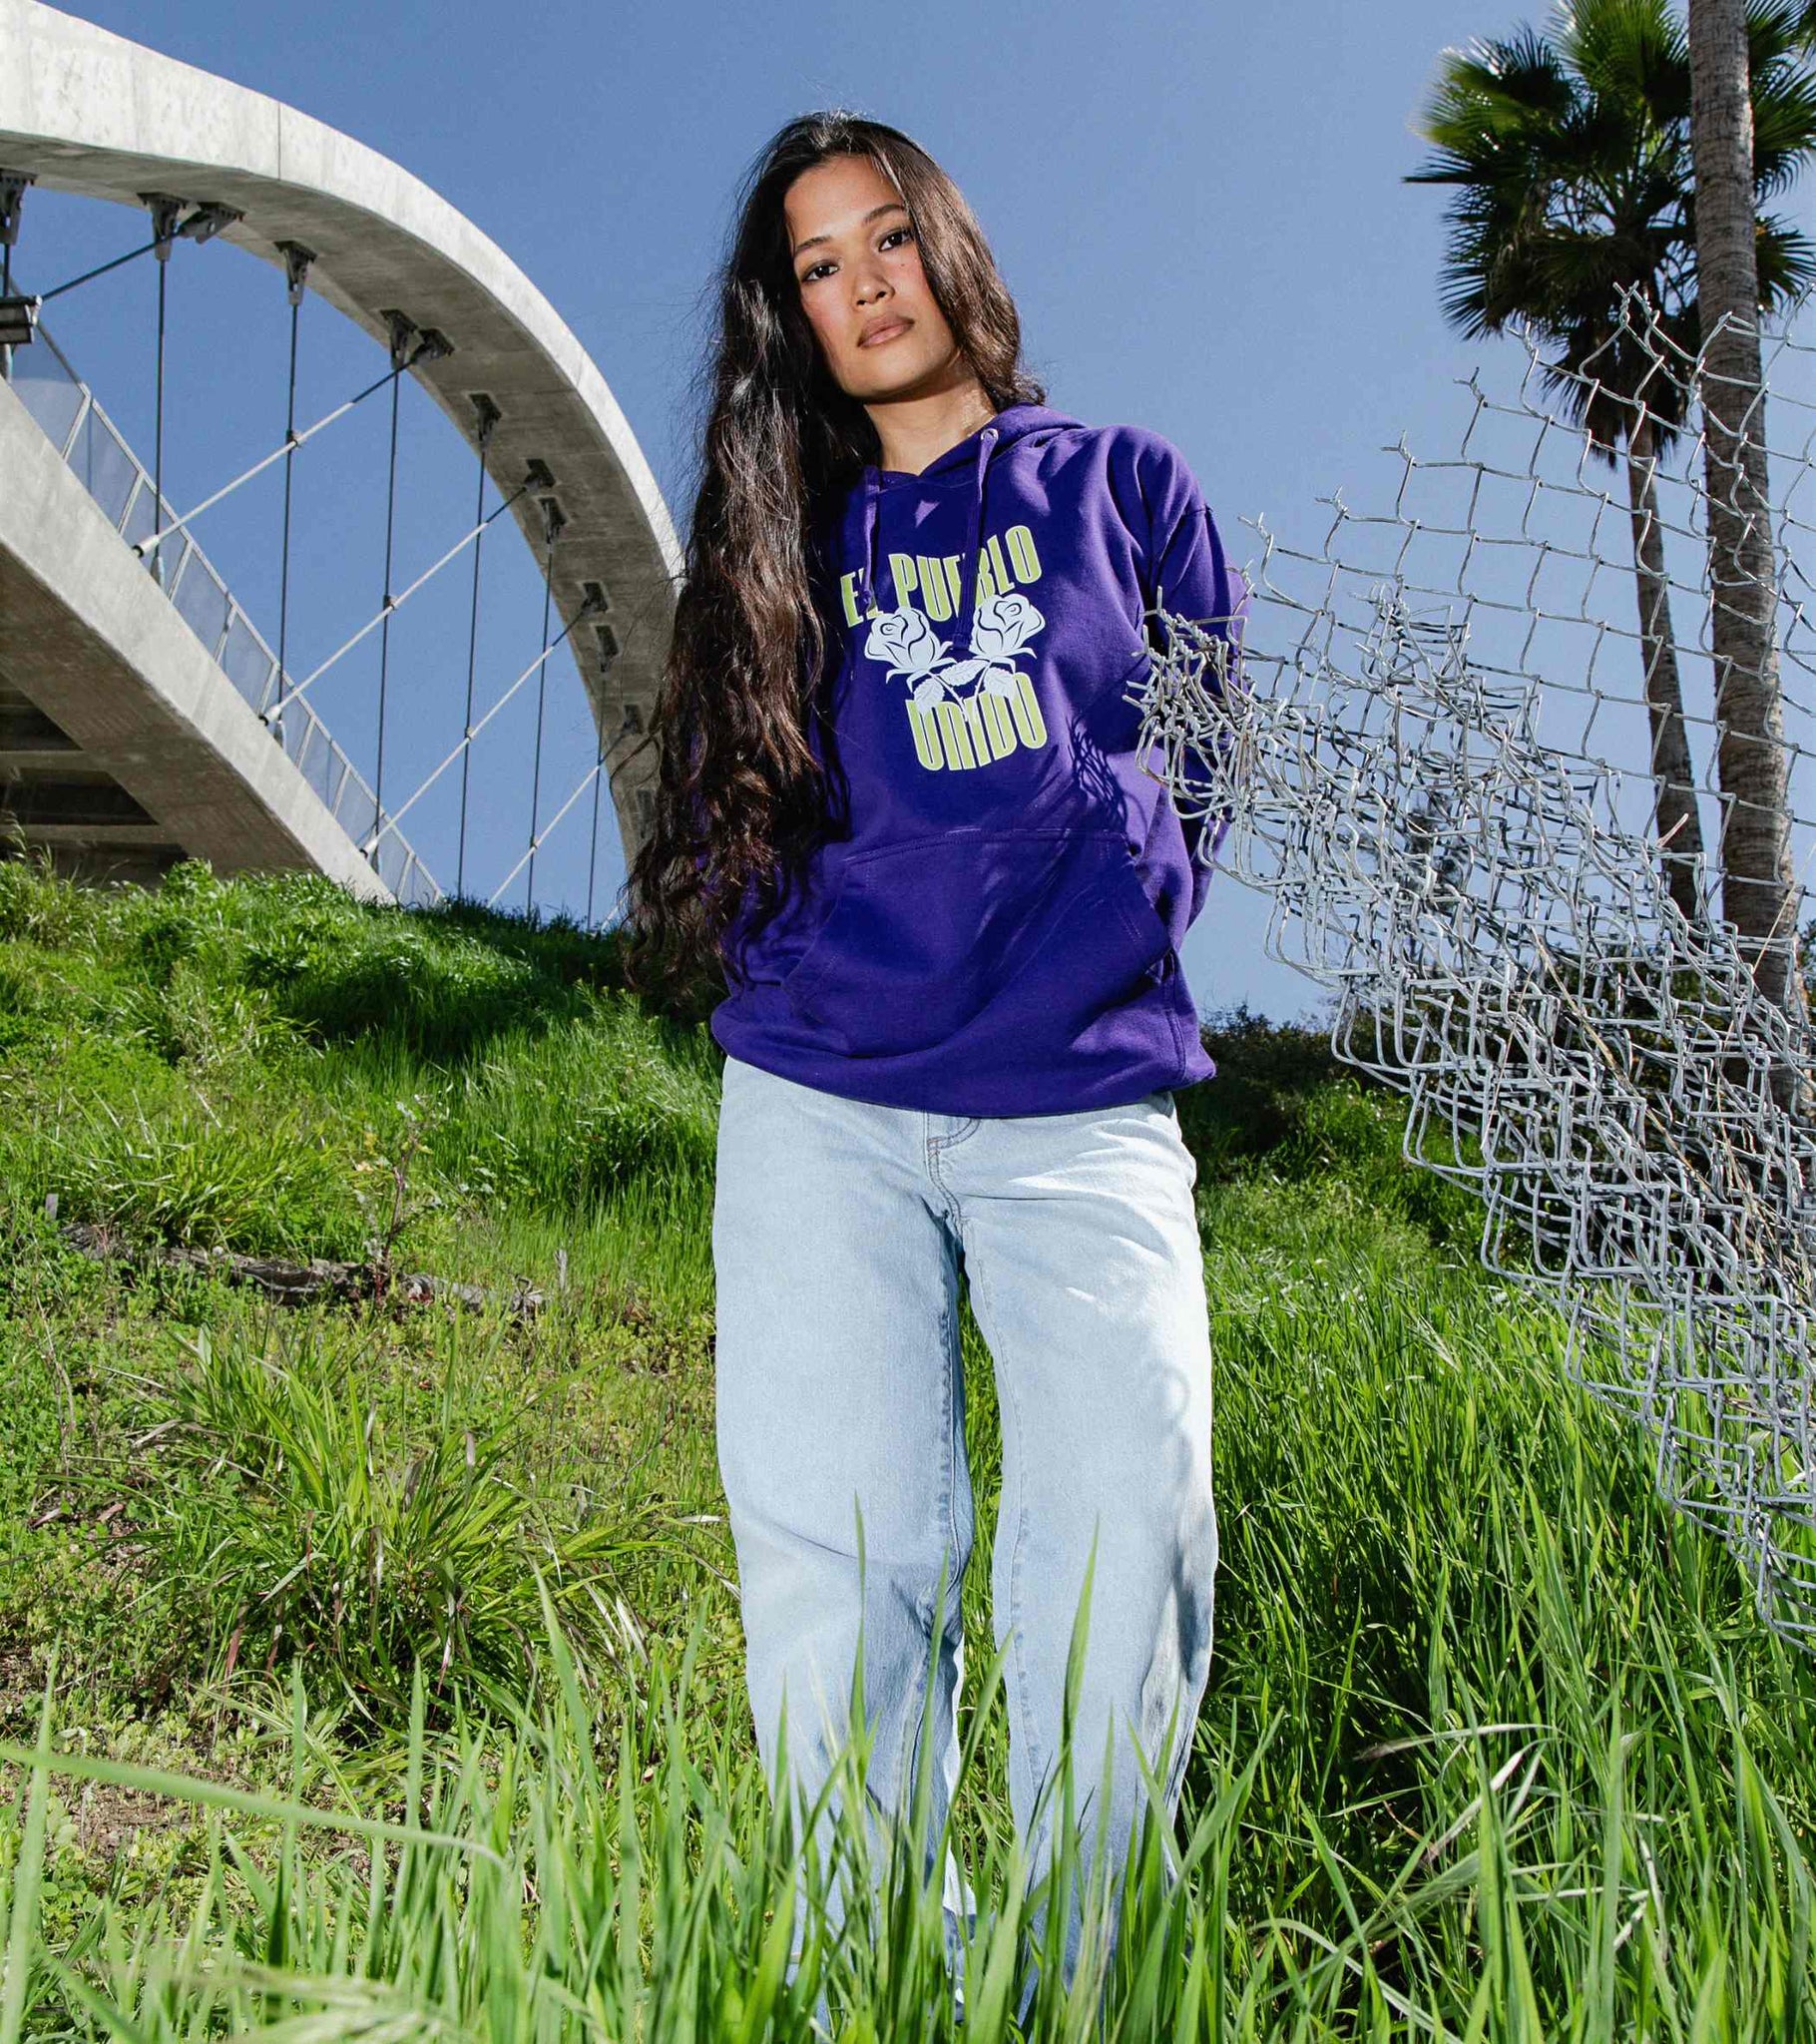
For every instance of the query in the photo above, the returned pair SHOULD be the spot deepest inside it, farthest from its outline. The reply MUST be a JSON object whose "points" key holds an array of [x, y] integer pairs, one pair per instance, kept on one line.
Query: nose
{"points": [[875, 287]]}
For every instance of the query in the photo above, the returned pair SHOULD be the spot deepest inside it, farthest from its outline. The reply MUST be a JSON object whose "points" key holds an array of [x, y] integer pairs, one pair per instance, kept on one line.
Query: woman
{"points": [[898, 801]]}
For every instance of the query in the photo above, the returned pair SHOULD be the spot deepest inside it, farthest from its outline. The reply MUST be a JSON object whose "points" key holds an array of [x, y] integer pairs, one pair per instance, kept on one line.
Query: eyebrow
{"points": [[813, 241]]}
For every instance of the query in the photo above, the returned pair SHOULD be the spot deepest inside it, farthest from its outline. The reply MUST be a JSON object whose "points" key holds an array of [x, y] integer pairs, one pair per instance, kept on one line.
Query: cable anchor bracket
{"points": [[403, 331], [207, 221], [297, 263], [169, 224], [12, 200]]}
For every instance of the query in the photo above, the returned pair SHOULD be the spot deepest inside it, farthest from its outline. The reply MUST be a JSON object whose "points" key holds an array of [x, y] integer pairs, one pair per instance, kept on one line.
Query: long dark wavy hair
{"points": [[740, 799]]}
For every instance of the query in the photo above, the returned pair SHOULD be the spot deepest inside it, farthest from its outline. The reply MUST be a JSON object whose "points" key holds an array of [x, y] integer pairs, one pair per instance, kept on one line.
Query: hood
{"points": [[966, 465]]}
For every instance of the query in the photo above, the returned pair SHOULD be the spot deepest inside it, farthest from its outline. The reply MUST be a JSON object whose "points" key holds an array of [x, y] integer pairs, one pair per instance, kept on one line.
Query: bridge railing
{"points": [[95, 450]]}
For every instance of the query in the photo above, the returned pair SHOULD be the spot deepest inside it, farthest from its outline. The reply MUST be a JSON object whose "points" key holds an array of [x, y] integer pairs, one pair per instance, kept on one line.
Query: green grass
{"points": [[1494, 1745]]}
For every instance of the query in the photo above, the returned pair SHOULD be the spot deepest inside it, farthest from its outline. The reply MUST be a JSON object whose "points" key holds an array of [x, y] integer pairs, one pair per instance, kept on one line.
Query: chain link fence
{"points": [[1446, 760]]}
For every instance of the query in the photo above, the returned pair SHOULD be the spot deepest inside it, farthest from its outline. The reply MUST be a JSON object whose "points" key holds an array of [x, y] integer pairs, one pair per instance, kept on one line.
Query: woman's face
{"points": [[857, 266]]}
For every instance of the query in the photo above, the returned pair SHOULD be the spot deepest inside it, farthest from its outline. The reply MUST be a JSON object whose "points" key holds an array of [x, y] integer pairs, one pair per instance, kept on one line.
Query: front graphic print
{"points": [[964, 713]]}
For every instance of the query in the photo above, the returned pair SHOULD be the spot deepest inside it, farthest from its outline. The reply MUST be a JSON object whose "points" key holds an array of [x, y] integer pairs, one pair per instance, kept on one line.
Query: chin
{"points": [[900, 375]]}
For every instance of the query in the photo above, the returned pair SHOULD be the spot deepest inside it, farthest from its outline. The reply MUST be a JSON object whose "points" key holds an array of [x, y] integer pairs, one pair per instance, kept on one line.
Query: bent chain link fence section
{"points": [[1436, 761]]}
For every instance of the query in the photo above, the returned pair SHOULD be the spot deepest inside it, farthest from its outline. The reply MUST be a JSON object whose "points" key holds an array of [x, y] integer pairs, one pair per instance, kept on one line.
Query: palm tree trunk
{"points": [[1674, 779], [1758, 892]]}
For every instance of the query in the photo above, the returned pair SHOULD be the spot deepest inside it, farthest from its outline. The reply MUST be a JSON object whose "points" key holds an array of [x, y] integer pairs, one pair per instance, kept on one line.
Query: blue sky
{"points": [[1198, 210]]}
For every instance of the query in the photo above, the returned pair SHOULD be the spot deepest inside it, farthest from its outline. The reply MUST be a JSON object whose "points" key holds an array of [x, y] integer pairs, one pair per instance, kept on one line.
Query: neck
{"points": [[917, 431]]}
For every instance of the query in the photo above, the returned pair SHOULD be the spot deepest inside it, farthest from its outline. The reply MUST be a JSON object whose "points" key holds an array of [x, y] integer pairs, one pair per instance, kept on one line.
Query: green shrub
{"points": [[298, 1508], [569, 1113], [184, 1172], [38, 903], [20, 1002], [198, 1018], [1285, 1105], [438, 996]]}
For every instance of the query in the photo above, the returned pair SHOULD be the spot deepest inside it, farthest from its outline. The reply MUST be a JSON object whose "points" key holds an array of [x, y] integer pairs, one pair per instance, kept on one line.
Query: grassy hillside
{"points": [[373, 1669]]}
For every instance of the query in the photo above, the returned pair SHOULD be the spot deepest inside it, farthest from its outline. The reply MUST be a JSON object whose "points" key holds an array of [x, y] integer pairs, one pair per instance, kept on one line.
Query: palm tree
{"points": [[1733, 55], [1575, 216]]}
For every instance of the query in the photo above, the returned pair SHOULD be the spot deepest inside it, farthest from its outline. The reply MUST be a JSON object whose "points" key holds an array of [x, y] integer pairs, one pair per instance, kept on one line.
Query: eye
{"points": [[807, 276]]}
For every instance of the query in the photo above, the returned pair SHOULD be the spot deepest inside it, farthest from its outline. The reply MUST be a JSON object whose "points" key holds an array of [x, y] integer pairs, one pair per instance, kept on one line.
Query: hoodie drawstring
{"points": [[866, 588], [971, 566]]}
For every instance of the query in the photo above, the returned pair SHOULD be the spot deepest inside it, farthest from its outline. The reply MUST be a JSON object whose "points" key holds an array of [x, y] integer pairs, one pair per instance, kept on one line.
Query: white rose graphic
{"points": [[905, 641], [1004, 626], [908, 644]]}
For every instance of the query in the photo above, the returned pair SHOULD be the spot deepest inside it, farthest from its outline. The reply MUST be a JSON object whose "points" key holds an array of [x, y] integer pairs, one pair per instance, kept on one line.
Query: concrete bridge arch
{"points": [[98, 690]]}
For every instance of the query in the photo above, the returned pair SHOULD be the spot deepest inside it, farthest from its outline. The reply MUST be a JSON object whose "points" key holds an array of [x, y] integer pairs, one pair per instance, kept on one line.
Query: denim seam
{"points": [[935, 1148], [943, 1504], [937, 1145], [915, 1701], [925, 1664], [1030, 1738], [916, 1692], [946, 1333], [954, 1364], [1176, 1773]]}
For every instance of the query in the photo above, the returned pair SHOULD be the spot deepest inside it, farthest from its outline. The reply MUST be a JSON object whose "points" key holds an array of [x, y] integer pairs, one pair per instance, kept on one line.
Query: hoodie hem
{"points": [[885, 1082]]}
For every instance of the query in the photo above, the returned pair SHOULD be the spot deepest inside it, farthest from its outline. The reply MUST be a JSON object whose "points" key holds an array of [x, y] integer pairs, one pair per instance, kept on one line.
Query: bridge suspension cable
{"points": [[548, 650], [592, 833], [552, 523], [164, 225], [167, 225], [290, 446], [488, 416], [297, 263], [174, 218], [401, 332], [88, 276], [397, 602], [591, 774]]}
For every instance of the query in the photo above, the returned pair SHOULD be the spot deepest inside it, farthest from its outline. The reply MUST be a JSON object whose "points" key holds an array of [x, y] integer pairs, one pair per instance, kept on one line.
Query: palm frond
{"points": [[1787, 262]]}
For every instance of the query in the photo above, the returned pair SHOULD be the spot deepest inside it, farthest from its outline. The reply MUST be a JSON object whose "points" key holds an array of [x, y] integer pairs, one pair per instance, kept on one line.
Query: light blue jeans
{"points": [[838, 1231]]}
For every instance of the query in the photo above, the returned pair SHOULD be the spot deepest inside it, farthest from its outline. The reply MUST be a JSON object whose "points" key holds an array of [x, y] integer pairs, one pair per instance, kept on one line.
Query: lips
{"points": [[881, 335]]}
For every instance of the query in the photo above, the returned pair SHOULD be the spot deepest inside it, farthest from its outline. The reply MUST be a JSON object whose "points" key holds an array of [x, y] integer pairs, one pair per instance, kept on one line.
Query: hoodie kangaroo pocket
{"points": [[923, 937]]}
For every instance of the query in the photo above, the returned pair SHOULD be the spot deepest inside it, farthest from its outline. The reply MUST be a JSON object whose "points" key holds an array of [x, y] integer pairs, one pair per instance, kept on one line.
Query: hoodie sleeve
{"points": [[1186, 572]]}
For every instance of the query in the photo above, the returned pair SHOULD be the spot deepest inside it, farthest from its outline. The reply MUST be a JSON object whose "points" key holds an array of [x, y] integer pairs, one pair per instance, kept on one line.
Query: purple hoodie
{"points": [[999, 933]]}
